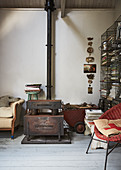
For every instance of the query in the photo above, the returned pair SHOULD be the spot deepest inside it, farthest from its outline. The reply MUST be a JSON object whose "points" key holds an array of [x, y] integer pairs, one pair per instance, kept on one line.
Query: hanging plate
{"points": [[90, 43], [90, 50], [90, 76], [90, 59], [90, 38]]}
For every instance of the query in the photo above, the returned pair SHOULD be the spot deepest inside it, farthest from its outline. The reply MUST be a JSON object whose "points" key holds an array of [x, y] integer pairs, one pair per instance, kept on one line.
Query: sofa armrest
{"points": [[14, 106]]}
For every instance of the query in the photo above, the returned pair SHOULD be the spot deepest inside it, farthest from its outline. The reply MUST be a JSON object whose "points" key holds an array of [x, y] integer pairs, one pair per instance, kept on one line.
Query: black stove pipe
{"points": [[49, 7]]}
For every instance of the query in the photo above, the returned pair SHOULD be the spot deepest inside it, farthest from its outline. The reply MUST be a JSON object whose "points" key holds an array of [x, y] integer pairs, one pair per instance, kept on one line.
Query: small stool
{"points": [[34, 93]]}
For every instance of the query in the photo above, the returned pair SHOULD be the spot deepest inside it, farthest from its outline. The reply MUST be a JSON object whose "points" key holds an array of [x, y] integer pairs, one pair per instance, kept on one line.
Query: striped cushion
{"points": [[108, 127]]}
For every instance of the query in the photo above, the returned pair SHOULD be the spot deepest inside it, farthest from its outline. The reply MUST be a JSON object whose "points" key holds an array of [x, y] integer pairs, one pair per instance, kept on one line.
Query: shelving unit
{"points": [[110, 81]]}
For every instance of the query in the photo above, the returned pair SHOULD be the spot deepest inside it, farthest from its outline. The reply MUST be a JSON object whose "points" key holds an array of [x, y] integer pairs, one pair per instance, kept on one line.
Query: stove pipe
{"points": [[49, 7]]}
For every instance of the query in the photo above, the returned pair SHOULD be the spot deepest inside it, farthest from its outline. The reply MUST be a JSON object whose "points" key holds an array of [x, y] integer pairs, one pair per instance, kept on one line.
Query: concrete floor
{"points": [[17, 156]]}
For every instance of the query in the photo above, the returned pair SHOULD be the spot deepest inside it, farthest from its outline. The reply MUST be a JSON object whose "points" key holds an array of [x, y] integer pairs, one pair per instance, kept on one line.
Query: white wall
{"points": [[71, 52], [23, 52]]}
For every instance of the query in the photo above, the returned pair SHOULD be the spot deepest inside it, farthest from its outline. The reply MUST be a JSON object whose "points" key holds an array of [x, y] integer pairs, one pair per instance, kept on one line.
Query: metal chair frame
{"points": [[107, 149]]}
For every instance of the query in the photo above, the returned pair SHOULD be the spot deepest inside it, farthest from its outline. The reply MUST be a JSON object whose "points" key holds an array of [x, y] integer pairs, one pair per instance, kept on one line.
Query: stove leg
{"points": [[59, 138], [59, 132], [28, 136]]}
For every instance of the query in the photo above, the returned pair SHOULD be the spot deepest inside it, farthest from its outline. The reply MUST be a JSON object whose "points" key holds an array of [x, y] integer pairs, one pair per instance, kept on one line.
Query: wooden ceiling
{"points": [[62, 4]]}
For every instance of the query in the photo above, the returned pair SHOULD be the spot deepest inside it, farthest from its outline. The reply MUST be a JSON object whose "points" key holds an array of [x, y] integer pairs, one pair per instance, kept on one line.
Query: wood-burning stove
{"points": [[39, 123], [49, 124], [36, 121]]}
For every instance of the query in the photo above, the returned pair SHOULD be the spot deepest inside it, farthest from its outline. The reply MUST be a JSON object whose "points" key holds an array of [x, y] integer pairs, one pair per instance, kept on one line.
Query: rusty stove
{"points": [[37, 122]]}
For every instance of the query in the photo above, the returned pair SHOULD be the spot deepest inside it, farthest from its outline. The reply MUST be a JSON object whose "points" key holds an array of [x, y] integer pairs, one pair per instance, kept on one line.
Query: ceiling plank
{"points": [[63, 2]]}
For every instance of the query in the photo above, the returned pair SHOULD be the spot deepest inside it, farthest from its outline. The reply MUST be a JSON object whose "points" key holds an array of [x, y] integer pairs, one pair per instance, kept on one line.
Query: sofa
{"points": [[10, 110]]}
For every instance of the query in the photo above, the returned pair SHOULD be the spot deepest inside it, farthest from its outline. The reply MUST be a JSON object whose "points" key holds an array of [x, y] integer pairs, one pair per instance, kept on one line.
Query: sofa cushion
{"points": [[6, 112], [5, 123]]}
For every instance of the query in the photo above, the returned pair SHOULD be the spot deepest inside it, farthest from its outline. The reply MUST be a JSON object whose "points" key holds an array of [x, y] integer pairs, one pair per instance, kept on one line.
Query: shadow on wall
{"points": [[75, 30], [41, 95], [8, 20], [16, 31]]}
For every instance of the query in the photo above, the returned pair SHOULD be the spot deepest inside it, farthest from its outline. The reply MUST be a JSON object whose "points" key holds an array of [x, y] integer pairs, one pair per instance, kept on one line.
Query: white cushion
{"points": [[6, 112], [6, 123]]}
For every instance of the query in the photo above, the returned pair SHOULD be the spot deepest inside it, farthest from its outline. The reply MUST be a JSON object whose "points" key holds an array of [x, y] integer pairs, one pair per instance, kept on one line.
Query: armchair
{"points": [[10, 116], [112, 114]]}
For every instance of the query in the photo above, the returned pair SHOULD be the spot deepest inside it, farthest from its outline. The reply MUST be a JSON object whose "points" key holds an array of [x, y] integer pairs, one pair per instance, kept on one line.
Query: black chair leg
{"points": [[90, 143], [106, 157]]}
